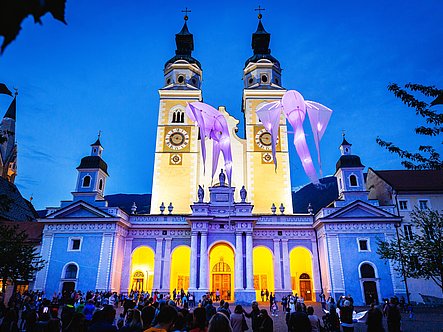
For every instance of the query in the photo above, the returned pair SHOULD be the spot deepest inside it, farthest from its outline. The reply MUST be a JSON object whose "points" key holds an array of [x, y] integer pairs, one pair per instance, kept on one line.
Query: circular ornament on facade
{"points": [[267, 158], [176, 159], [263, 139], [177, 139]]}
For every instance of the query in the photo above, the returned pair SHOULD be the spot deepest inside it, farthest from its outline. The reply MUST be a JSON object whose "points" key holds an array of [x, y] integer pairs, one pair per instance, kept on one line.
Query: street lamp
{"points": [[397, 226]]}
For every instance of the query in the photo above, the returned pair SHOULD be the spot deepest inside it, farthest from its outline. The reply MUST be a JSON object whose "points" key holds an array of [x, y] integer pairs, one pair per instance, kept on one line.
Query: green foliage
{"points": [[427, 157], [18, 257], [422, 255]]}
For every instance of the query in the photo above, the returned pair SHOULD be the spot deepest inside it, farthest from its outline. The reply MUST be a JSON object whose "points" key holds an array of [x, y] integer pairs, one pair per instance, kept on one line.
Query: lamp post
{"points": [[397, 226]]}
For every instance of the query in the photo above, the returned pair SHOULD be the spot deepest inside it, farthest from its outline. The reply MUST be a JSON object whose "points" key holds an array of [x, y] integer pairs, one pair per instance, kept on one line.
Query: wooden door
{"points": [[222, 282], [305, 289], [370, 290]]}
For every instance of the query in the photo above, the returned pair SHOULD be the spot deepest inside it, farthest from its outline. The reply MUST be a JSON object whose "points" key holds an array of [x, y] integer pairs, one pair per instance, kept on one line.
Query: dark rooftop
{"points": [[93, 162], [13, 206], [348, 161], [260, 46], [413, 180]]}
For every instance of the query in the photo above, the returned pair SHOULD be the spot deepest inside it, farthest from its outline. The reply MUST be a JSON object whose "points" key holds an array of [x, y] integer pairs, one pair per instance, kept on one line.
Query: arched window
{"points": [[304, 276], [86, 181], [71, 271], [367, 271], [100, 184], [178, 116], [353, 181], [221, 267]]}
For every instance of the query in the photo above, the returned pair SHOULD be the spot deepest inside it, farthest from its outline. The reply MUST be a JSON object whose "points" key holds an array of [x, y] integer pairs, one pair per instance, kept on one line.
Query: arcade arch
{"points": [[263, 270], [301, 272], [142, 269], [221, 267], [180, 268]]}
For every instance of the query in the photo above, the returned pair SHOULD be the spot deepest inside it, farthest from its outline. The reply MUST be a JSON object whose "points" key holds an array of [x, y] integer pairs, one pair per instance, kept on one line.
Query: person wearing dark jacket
{"points": [[393, 315], [267, 325], [299, 321], [374, 321], [255, 316], [346, 312], [104, 320]]}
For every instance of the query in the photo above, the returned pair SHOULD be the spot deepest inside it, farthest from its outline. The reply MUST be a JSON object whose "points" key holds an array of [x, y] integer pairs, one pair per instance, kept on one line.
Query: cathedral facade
{"points": [[207, 235]]}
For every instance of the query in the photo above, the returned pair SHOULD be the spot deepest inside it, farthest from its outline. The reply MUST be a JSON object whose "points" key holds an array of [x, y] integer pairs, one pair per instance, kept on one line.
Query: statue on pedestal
{"points": [[200, 194], [243, 194], [222, 178]]}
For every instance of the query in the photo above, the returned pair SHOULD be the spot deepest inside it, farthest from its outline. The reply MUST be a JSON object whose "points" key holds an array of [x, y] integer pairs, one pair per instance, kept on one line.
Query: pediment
{"points": [[79, 210], [358, 210]]}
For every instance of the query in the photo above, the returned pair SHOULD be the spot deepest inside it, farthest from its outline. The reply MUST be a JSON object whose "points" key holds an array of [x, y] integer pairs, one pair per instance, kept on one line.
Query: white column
{"points": [[193, 272], [204, 262], [286, 264], [277, 265], [238, 261], [167, 265], [157, 263], [126, 268], [249, 271], [315, 272]]}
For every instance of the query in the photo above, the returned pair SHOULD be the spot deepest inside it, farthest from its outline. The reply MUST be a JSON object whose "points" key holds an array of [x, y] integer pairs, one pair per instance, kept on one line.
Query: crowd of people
{"points": [[143, 312]]}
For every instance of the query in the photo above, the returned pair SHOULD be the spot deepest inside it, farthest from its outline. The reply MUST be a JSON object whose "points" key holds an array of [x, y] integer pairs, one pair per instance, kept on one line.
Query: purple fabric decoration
{"points": [[213, 125], [295, 107], [319, 116], [269, 115]]}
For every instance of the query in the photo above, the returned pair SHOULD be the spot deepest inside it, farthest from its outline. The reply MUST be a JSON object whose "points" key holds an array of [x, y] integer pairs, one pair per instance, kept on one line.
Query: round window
{"points": [[264, 78], [168, 81], [180, 79], [250, 80], [194, 81]]}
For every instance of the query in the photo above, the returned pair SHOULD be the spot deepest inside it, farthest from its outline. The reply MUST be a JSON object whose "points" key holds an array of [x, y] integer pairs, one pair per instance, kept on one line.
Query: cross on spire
{"points": [[99, 134], [186, 11], [259, 9]]}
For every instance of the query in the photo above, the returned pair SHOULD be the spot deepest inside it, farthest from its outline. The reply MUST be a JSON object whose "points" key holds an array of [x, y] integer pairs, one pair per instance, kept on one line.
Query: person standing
{"points": [[394, 316], [255, 316], [315, 321], [346, 311], [267, 325], [262, 294], [267, 294], [299, 321], [375, 319], [238, 320]]}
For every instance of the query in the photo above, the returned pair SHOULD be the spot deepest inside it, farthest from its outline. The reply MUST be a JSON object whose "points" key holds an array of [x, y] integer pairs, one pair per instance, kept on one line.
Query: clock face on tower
{"points": [[263, 140], [177, 139]]}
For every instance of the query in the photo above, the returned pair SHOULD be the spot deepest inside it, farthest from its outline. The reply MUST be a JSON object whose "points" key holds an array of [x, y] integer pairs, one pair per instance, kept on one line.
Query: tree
{"points": [[13, 12], [427, 156], [18, 257], [421, 253]]}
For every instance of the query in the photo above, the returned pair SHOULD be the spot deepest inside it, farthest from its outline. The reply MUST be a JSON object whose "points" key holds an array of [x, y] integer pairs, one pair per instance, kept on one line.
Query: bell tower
{"points": [[176, 150], [262, 84]]}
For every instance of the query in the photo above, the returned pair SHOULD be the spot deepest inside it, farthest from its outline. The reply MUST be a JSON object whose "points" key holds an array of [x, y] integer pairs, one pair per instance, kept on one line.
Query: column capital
{"points": [[276, 240], [284, 240], [169, 239], [158, 239]]}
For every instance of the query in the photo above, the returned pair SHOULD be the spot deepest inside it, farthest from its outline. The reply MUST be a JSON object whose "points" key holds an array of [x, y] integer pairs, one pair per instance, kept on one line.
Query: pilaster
{"points": [[277, 266], [238, 262], [166, 275], [126, 268], [204, 277], [158, 263], [286, 271], [249, 271], [193, 268]]}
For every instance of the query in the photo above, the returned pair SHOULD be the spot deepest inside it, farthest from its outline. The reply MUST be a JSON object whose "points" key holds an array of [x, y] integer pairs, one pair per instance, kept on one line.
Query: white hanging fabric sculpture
{"points": [[213, 125], [295, 107]]}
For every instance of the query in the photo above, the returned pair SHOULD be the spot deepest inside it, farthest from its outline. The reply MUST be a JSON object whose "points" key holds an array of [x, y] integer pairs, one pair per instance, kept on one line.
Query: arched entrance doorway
{"points": [[221, 265], [180, 268], [369, 283], [301, 273], [142, 269], [263, 271], [69, 278]]}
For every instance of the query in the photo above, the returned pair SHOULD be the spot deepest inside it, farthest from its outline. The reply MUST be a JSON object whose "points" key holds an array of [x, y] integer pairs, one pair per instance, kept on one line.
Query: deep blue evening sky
{"points": [[103, 69]]}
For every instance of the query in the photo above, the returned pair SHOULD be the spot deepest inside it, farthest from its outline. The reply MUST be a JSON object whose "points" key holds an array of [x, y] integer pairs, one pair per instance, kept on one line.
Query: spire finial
{"points": [[99, 134], [186, 11], [259, 9], [16, 92]]}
